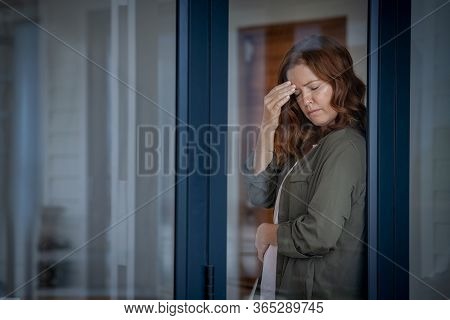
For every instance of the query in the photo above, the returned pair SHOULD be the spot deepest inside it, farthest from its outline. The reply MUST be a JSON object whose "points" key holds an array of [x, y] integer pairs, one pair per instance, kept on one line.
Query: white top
{"points": [[268, 281]]}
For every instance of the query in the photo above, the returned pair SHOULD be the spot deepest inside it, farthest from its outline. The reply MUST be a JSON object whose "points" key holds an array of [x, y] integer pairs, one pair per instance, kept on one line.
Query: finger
{"points": [[262, 252], [272, 117], [280, 103], [271, 101], [276, 92], [280, 86], [259, 250], [276, 108], [260, 256]]}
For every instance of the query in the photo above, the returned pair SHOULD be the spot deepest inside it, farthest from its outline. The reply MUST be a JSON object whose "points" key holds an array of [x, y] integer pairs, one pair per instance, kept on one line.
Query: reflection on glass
{"points": [[430, 152], [80, 216], [260, 32]]}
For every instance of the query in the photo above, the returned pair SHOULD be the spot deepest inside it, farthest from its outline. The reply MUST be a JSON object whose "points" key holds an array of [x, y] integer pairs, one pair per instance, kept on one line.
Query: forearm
{"points": [[264, 149]]}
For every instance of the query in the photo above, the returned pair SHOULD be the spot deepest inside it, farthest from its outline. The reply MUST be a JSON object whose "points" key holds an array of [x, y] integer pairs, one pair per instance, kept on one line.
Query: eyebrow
{"points": [[310, 82]]}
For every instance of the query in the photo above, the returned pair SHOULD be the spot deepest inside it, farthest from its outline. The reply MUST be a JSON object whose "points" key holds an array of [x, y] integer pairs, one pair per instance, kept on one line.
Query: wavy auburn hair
{"points": [[331, 62]]}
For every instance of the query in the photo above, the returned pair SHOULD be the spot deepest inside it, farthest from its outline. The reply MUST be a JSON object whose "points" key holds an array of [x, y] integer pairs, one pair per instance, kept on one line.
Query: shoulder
{"points": [[347, 139], [345, 148]]}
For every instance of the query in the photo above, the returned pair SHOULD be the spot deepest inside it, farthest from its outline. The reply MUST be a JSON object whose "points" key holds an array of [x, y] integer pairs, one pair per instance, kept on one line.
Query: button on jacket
{"points": [[322, 220]]}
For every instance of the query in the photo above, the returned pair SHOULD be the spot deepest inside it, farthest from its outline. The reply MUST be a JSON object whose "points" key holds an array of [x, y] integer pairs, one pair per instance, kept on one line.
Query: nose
{"points": [[307, 98]]}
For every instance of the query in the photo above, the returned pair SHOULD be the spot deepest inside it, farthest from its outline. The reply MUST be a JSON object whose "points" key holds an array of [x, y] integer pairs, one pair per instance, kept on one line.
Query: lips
{"points": [[313, 111]]}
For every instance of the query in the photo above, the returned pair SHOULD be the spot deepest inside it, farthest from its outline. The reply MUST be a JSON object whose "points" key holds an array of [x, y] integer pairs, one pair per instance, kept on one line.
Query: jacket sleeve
{"points": [[317, 232], [262, 187]]}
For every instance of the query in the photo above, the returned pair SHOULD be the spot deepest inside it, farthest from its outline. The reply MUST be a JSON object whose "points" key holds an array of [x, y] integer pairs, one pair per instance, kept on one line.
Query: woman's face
{"points": [[313, 95]]}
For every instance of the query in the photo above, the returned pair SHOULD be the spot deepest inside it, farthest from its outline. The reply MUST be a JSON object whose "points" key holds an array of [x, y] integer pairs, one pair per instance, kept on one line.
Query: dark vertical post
{"points": [[372, 148], [393, 148], [219, 120], [202, 57]]}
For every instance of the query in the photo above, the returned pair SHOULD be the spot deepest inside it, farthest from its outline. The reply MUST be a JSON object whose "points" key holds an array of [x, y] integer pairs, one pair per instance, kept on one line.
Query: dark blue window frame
{"points": [[388, 141], [201, 193], [202, 63]]}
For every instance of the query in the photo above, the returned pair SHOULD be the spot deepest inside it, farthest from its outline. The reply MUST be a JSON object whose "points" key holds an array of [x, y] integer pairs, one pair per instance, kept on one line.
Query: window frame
{"points": [[201, 201]]}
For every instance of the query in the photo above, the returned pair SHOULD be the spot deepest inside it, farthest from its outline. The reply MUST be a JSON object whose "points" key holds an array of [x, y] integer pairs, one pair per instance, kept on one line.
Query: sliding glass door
{"points": [[87, 203], [429, 224], [260, 32]]}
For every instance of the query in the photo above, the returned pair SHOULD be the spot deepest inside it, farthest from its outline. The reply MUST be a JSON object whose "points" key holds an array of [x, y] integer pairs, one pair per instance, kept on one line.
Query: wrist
{"points": [[268, 128], [266, 138]]}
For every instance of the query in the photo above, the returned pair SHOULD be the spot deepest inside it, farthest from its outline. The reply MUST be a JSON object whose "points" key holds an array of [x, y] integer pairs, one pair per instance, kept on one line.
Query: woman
{"points": [[310, 165]]}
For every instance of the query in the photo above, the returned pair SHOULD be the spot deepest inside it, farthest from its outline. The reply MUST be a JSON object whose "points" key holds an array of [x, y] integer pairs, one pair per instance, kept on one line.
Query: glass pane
{"points": [[260, 33], [86, 211], [430, 151]]}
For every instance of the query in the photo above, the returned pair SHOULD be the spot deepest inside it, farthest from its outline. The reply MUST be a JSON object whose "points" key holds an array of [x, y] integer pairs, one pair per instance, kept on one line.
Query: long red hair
{"points": [[331, 62]]}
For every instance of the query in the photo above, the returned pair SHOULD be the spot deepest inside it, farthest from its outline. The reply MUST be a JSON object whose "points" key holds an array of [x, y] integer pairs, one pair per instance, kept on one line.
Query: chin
{"points": [[320, 123], [323, 123]]}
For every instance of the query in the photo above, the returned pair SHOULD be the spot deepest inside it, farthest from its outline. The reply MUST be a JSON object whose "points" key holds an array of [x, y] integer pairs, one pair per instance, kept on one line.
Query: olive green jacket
{"points": [[322, 220]]}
